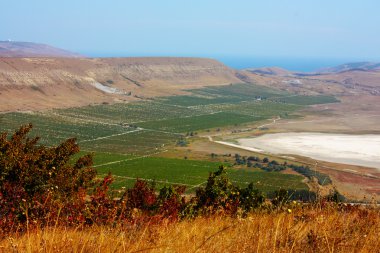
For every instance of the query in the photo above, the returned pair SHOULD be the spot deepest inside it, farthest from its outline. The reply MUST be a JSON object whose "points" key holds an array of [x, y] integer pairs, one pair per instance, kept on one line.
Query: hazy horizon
{"points": [[244, 62], [299, 64], [238, 62], [272, 29]]}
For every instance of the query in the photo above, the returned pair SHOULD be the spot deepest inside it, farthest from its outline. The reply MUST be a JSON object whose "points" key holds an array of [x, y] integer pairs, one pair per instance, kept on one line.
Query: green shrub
{"points": [[41, 170], [221, 194]]}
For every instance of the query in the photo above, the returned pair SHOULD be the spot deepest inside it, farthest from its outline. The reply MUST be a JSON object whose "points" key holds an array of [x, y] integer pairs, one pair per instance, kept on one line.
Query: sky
{"points": [[270, 30]]}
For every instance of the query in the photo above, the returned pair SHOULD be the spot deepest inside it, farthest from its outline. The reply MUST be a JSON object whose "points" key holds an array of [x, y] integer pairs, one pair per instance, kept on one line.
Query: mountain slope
{"points": [[364, 66], [273, 71], [30, 49], [42, 83]]}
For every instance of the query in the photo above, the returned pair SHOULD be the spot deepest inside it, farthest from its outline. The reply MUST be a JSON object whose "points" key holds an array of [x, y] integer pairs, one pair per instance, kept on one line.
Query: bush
{"points": [[335, 196], [253, 159], [42, 170], [221, 194], [182, 143], [37, 182], [250, 198], [281, 197], [171, 202], [142, 196]]}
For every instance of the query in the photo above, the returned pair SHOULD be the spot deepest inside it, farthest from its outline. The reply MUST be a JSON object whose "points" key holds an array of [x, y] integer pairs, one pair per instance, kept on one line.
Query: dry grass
{"points": [[311, 230]]}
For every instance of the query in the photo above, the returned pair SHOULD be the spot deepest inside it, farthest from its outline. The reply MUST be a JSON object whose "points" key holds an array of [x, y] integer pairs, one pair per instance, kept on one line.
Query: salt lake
{"points": [[340, 148]]}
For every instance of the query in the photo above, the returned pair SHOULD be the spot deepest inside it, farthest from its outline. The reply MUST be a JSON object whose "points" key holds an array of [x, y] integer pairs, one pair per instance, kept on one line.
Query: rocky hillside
{"points": [[41, 83]]}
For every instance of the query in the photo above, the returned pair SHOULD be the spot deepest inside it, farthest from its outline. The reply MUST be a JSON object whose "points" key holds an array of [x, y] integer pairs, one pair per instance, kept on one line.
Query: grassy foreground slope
{"points": [[51, 206], [302, 230]]}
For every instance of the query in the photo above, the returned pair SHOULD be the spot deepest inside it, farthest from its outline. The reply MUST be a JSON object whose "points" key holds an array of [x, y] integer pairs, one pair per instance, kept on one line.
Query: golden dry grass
{"points": [[311, 230]]}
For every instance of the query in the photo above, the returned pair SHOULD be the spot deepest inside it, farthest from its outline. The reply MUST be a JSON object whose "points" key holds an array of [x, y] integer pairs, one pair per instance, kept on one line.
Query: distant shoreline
{"points": [[291, 64], [306, 64]]}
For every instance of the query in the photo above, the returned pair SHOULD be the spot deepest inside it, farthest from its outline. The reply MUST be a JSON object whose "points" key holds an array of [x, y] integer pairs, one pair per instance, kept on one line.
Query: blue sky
{"points": [[304, 29]]}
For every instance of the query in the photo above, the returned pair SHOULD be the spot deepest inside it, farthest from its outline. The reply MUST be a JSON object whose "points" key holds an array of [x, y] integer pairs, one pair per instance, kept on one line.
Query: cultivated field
{"points": [[125, 136], [190, 173]]}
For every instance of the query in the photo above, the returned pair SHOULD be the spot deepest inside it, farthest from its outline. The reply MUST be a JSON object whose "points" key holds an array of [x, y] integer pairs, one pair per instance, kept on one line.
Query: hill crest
{"points": [[31, 49], [353, 66], [43, 83]]}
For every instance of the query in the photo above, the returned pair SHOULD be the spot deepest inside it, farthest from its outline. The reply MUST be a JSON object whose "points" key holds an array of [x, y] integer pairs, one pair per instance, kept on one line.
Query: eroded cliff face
{"points": [[43, 83]]}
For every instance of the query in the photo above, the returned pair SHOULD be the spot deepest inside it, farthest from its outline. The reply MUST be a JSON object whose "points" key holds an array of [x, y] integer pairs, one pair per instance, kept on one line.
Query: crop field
{"points": [[194, 123], [54, 128], [114, 128], [229, 94], [192, 173], [129, 112], [125, 136], [306, 100], [259, 109], [134, 143]]}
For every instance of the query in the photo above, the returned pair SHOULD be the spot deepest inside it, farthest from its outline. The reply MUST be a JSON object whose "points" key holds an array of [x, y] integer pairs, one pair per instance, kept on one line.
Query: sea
{"points": [[292, 64]]}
